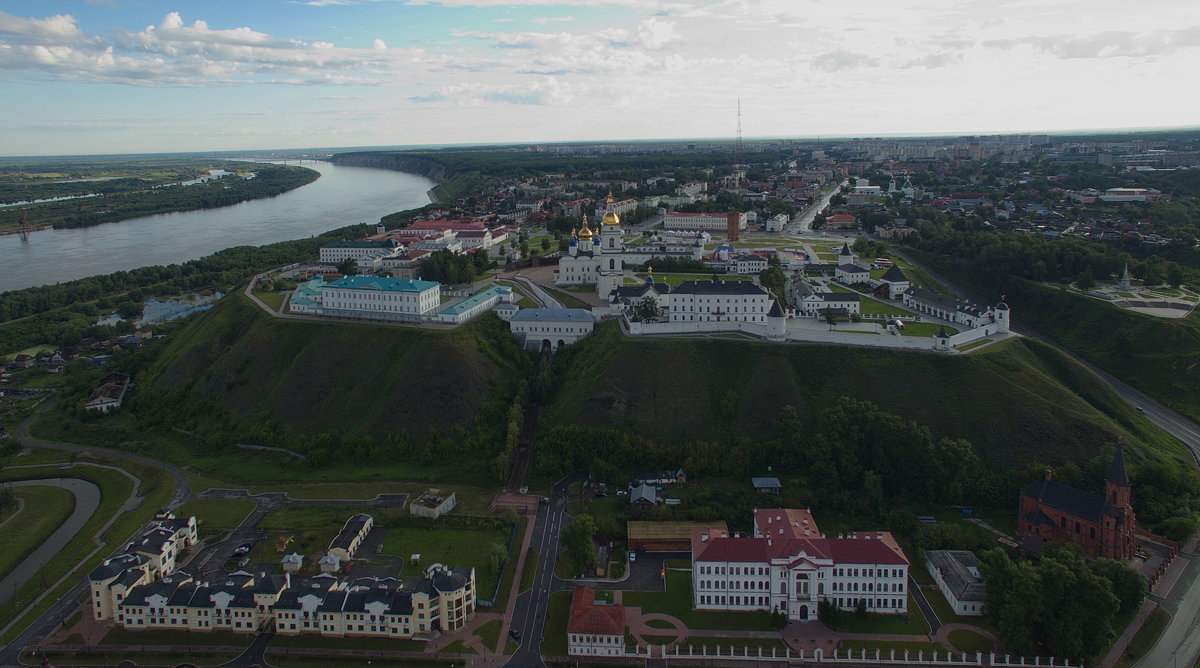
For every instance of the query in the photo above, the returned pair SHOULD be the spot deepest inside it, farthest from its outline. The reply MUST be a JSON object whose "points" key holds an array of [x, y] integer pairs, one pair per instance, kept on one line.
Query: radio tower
{"points": [[739, 150]]}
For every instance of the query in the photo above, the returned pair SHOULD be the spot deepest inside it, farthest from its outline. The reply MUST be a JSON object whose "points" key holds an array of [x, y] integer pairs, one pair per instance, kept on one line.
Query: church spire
{"points": [[1117, 473]]}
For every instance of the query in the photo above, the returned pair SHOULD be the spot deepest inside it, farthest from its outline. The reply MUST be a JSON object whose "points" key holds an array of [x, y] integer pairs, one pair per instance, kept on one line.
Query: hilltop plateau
{"points": [[1018, 402]]}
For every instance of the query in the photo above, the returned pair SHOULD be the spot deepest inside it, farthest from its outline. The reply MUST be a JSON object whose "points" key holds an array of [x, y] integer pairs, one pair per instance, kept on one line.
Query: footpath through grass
{"points": [[46, 508], [1144, 640], [677, 602], [554, 638]]}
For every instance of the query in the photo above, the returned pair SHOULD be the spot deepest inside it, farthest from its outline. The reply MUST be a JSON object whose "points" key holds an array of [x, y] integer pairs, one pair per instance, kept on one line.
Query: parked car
{"points": [[514, 634], [242, 549], [632, 556]]}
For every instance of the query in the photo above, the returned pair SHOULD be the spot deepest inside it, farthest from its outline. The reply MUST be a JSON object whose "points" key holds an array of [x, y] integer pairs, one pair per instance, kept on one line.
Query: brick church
{"points": [[1100, 526]]}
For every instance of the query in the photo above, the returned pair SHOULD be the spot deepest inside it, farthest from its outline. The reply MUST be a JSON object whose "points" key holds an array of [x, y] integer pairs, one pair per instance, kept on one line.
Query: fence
{"points": [[876, 657]]}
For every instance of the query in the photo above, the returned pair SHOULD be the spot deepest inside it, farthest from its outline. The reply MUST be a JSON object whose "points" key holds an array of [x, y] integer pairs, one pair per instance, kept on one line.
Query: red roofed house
{"points": [[595, 629], [790, 567], [841, 221]]}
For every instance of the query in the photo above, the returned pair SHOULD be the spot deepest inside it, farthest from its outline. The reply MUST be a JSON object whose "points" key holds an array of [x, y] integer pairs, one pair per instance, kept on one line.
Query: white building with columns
{"points": [[790, 567]]}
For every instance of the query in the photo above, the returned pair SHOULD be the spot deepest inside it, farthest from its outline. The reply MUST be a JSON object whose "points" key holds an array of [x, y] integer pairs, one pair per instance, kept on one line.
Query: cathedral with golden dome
{"points": [[595, 257]]}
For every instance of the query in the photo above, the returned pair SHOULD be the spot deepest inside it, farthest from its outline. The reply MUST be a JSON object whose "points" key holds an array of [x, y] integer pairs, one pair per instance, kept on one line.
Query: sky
{"points": [[135, 76]]}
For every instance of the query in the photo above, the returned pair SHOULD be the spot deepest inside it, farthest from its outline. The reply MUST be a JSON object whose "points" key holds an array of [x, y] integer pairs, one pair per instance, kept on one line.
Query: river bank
{"points": [[343, 195]]}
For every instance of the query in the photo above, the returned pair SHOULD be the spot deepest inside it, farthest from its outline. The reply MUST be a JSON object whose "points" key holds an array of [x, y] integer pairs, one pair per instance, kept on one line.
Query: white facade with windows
{"points": [[719, 301], [717, 222], [794, 570]]}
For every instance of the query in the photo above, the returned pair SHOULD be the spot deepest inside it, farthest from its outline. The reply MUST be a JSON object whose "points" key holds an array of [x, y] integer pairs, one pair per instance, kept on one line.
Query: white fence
{"points": [[876, 657]]}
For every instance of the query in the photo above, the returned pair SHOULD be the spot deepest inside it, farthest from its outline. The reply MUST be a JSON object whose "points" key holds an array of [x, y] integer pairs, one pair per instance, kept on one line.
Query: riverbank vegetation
{"points": [[145, 192], [63, 313]]}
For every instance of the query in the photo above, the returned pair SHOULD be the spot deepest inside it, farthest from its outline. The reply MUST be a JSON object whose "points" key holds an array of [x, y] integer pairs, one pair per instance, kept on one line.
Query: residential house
{"points": [[594, 629], [346, 543], [956, 573]]}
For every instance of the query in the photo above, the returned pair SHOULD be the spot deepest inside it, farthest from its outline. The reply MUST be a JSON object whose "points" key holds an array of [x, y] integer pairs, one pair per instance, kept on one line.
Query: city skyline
{"points": [[111, 76]]}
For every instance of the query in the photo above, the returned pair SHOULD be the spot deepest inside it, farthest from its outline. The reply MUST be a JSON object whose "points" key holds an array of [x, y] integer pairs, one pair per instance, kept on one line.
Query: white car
{"points": [[632, 557]]}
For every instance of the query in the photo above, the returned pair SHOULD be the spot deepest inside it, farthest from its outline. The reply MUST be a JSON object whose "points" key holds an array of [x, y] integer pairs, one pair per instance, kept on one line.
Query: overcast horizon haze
{"points": [[123, 76]]}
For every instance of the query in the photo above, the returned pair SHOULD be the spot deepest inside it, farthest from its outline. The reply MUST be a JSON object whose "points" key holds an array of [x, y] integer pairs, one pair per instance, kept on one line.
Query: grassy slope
{"points": [[309, 376], [1017, 402], [1159, 356]]}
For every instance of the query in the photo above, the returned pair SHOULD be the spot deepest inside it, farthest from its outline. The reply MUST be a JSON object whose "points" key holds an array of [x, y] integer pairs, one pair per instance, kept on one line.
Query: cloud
{"points": [[841, 59], [175, 53], [552, 19]]}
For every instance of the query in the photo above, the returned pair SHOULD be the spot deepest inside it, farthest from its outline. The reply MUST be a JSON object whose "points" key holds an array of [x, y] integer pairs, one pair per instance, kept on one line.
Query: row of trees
{"points": [[1059, 604]]}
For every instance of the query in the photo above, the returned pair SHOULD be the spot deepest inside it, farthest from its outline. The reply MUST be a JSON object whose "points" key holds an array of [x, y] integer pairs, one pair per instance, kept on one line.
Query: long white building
{"points": [[790, 567], [702, 221], [368, 297], [335, 252], [719, 301]]}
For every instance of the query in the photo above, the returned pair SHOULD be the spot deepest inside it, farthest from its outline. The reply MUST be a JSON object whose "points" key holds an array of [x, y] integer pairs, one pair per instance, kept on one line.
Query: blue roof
{"points": [[761, 483], [385, 284], [553, 315]]}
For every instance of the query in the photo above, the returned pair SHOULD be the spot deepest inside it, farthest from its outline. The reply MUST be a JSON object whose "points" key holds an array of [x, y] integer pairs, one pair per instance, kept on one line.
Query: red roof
{"points": [[840, 550], [841, 216], [587, 617]]}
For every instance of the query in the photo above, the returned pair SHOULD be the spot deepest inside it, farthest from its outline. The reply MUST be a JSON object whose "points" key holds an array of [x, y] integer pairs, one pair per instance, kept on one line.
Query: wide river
{"points": [[342, 196]]}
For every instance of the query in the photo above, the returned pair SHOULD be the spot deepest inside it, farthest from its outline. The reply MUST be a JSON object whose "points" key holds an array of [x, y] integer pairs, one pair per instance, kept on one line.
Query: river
{"points": [[342, 196]]}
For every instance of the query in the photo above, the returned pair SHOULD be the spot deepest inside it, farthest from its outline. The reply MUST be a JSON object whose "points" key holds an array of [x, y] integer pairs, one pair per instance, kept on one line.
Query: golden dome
{"points": [[610, 218], [584, 232]]}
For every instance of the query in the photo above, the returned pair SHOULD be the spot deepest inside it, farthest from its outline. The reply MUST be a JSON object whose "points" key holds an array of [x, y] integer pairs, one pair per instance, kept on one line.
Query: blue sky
{"points": [[116, 76]]}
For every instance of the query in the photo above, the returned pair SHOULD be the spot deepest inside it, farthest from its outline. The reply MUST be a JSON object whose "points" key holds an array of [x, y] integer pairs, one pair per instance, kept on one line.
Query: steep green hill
{"points": [[259, 379], [1018, 403]]}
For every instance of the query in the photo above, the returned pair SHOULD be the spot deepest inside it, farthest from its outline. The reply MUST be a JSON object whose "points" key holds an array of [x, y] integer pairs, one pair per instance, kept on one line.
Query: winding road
{"points": [[87, 500]]}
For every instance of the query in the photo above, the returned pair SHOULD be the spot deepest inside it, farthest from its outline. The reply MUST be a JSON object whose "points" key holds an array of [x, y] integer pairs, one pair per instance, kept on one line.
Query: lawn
{"points": [[272, 299], [567, 300], [489, 633], [926, 329], [910, 623], [217, 513], [1145, 638], [117, 636], [554, 640], [973, 344], [677, 602], [458, 647], [452, 546], [869, 306], [523, 299], [970, 642], [304, 529], [46, 508]]}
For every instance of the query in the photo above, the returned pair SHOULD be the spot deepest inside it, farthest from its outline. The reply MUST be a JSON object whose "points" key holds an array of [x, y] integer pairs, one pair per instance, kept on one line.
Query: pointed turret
{"points": [[1117, 474]]}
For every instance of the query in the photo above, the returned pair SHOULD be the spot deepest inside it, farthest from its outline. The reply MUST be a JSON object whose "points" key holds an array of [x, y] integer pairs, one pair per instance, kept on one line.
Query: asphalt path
{"points": [[529, 614], [539, 295], [803, 224], [87, 500]]}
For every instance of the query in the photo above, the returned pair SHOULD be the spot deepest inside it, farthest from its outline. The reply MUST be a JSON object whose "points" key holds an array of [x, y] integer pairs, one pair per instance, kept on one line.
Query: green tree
{"points": [[545, 244], [829, 317], [348, 267], [576, 537], [648, 309], [773, 279]]}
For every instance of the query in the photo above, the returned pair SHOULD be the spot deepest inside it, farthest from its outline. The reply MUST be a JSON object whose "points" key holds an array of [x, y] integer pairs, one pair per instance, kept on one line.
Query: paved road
{"points": [[1179, 644], [87, 500], [803, 224], [183, 490]]}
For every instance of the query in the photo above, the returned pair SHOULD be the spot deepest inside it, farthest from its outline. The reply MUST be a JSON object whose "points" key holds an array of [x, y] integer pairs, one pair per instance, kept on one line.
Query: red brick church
{"points": [[1100, 526]]}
